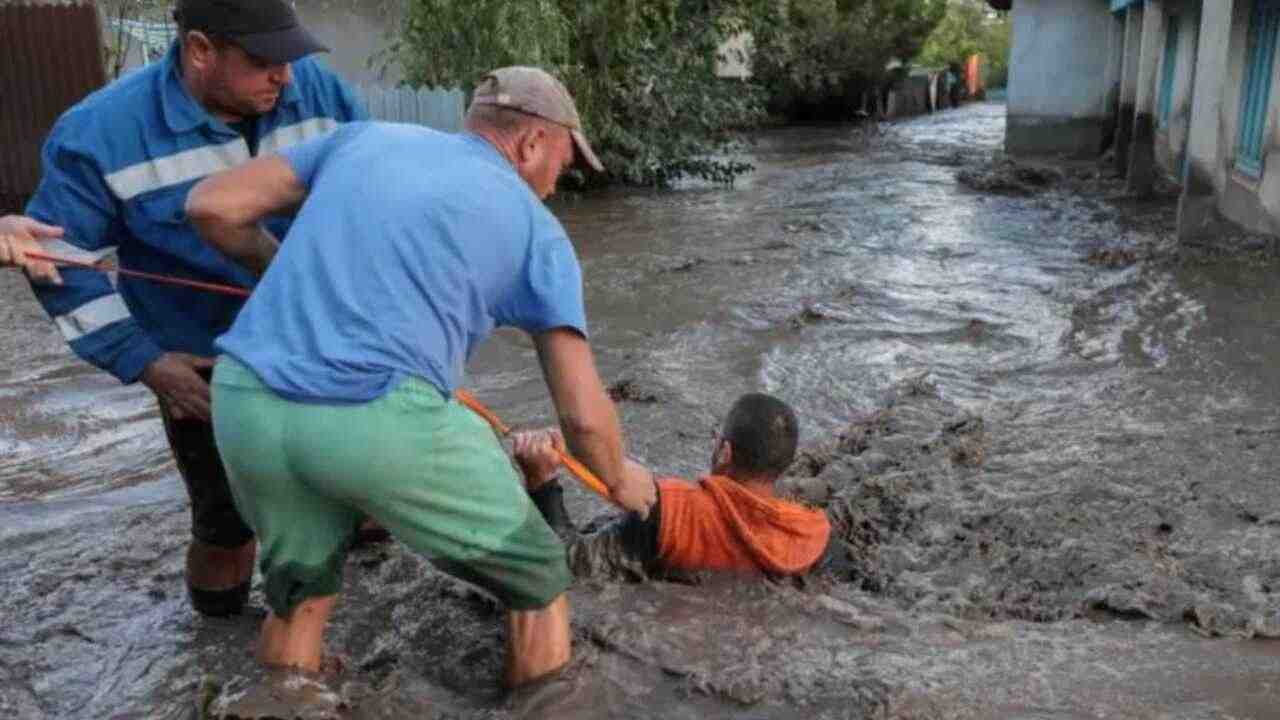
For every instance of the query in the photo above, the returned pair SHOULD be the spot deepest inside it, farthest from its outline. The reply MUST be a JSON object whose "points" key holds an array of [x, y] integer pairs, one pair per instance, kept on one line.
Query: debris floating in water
{"points": [[1006, 177]]}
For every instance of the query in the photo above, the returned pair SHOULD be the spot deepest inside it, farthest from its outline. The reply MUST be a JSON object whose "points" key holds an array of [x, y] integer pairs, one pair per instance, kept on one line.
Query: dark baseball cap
{"points": [[268, 29]]}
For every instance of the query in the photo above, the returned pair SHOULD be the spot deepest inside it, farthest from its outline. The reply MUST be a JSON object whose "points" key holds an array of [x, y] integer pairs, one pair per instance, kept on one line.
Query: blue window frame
{"points": [[1169, 71], [1264, 27]]}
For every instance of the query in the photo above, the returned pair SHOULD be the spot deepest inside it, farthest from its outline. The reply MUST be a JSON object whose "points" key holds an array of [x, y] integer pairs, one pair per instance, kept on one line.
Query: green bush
{"points": [[817, 59], [641, 71]]}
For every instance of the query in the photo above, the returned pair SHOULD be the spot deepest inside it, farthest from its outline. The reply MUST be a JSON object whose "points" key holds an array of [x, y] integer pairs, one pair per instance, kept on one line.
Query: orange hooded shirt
{"points": [[718, 524]]}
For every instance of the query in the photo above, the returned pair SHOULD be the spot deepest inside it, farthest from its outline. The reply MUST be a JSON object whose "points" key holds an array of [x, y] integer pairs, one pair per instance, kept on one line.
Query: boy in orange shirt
{"points": [[729, 520]]}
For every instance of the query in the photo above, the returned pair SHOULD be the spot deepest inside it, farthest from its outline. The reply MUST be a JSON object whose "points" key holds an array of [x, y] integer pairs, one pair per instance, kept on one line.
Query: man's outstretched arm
{"points": [[626, 548], [227, 207], [588, 417]]}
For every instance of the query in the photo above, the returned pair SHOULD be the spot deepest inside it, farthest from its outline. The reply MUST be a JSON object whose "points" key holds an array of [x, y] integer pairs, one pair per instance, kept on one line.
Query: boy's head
{"points": [[757, 440]]}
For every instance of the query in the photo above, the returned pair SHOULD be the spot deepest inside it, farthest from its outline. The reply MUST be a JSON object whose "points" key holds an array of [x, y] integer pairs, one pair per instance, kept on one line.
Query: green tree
{"points": [[970, 27], [641, 72], [995, 53], [818, 59]]}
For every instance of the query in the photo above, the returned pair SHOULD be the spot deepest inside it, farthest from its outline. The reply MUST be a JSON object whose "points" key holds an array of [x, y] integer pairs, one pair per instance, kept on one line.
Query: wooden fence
{"points": [[50, 58], [436, 108]]}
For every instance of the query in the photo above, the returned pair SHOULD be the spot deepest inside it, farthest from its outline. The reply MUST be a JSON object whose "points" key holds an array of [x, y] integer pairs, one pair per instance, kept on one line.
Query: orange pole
{"points": [[580, 471]]}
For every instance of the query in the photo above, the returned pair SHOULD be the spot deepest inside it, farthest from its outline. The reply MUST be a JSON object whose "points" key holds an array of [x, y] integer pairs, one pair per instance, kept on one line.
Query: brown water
{"points": [[1124, 494]]}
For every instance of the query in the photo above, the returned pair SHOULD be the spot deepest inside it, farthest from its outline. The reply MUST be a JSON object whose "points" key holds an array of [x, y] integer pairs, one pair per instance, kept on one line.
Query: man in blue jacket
{"points": [[117, 169]]}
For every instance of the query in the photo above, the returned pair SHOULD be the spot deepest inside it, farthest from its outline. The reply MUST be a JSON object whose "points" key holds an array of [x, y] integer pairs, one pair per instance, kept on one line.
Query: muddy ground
{"points": [[1044, 431]]}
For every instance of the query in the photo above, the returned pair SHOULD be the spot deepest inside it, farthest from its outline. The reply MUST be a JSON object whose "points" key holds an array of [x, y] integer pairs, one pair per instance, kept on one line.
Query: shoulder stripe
{"points": [[173, 169], [290, 135], [92, 316]]}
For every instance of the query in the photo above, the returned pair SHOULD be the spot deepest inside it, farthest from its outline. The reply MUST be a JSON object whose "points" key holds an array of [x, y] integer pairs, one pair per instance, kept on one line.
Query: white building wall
{"points": [[1064, 66], [1128, 85], [1058, 76], [1208, 105], [1251, 203], [1132, 46], [1141, 176], [1269, 188], [1232, 91], [1213, 187], [1172, 134]]}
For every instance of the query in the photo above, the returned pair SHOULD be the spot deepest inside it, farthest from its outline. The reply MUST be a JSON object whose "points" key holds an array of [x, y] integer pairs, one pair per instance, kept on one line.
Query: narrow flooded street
{"points": [[1055, 480]]}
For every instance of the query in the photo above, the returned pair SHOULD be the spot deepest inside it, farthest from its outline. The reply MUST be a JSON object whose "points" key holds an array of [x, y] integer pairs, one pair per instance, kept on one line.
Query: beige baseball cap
{"points": [[534, 91]]}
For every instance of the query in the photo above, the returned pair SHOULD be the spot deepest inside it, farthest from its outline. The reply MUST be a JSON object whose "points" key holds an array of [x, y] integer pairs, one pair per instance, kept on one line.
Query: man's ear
{"points": [[199, 49], [531, 143]]}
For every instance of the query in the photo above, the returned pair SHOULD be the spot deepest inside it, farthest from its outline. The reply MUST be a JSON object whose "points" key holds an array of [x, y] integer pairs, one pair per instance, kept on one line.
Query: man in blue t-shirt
{"points": [[333, 396]]}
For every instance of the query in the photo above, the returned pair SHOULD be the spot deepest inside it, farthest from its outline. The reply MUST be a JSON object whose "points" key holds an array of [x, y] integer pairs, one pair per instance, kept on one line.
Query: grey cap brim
{"points": [[585, 152], [280, 46]]}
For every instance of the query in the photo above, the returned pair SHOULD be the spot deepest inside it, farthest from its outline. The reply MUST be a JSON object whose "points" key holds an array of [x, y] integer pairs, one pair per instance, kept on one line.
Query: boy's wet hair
{"points": [[763, 431]]}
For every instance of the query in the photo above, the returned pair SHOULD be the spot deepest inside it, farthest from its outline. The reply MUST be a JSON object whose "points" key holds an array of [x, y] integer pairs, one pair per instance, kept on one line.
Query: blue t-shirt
{"points": [[411, 247]]}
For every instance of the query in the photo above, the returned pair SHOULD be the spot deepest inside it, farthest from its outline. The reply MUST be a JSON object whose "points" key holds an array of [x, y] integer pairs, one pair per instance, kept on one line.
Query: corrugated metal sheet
{"points": [[50, 58]]}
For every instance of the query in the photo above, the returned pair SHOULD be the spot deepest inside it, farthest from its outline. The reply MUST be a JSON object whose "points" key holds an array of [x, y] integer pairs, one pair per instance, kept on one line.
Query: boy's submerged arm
{"points": [[625, 549]]}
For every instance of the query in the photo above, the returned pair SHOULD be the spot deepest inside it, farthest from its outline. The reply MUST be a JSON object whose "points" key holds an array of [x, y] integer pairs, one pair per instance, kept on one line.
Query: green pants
{"points": [[427, 469]]}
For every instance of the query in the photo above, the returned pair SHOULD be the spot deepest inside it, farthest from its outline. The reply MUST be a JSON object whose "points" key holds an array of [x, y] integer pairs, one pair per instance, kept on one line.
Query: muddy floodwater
{"points": [[1046, 436]]}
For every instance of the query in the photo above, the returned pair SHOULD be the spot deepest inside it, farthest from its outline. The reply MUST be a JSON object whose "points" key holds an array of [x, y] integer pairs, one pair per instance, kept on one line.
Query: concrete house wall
{"points": [[1172, 132], [1253, 203], [1113, 79], [1057, 76], [1128, 72], [1213, 183], [1062, 102]]}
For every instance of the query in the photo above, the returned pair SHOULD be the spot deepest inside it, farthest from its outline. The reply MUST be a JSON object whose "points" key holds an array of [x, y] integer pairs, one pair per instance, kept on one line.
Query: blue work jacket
{"points": [[117, 168]]}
